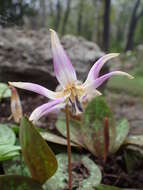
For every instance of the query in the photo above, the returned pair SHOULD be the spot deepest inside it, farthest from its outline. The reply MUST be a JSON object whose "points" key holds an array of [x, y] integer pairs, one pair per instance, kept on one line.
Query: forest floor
{"points": [[123, 105]]}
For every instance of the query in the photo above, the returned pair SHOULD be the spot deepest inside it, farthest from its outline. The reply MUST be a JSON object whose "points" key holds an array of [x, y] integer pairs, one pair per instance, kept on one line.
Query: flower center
{"points": [[75, 92]]}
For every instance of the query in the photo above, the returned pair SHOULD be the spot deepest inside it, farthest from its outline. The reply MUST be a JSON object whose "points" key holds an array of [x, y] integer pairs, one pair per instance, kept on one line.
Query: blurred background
{"points": [[113, 25], [88, 29]]}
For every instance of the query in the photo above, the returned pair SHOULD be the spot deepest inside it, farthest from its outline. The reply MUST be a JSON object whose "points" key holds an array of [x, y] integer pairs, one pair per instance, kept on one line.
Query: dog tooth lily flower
{"points": [[72, 92]]}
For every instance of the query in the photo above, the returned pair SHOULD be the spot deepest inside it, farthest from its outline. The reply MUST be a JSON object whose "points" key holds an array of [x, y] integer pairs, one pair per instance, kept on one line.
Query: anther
{"points": [[73, 106], [78, 104]]}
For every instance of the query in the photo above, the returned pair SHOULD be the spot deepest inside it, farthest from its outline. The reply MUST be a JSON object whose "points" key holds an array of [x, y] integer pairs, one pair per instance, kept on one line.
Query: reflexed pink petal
{"points": [[63, 68], [95, 70], [103, 78], [35, 88], [47, 108], [96, 83]]}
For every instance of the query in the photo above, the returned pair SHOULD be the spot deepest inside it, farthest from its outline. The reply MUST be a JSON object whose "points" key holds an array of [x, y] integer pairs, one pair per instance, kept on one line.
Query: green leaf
{"points": [[15, 182], [5, 91], [7, 141], [93, 126], [122, 131], [134, 140], [75, 133], [8, 151], [60, 179], [7, 136], [16, 166], [38, 156], [107, 187], [15, 128]]}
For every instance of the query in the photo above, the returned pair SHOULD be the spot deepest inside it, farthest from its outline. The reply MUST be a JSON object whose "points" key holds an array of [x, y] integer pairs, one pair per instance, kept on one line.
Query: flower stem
{"points": [[68, 149]]}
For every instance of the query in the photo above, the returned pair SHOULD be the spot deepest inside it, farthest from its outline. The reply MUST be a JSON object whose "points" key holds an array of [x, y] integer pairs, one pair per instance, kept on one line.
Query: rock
{"points": [[25, 55]]}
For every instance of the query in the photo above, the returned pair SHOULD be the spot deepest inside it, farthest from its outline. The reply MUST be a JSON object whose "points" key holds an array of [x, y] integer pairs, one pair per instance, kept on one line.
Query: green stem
{"points": [[68, 149]]}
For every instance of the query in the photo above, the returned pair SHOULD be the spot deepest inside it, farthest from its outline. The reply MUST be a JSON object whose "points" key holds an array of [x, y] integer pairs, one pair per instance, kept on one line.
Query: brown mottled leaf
{"points": [[92, 129], [38, 156], [15, 182]]}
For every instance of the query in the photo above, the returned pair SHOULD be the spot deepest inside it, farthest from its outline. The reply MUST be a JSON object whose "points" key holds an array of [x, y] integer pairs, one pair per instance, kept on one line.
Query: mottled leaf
{"points": [[75, 133], [15, 182], [134, 140], [16, 166], [93, 126], [122, 131], [5, 91], [7, 140], [8, 151], [7, 136], [89, 179], [48, 136], [38, 156]]}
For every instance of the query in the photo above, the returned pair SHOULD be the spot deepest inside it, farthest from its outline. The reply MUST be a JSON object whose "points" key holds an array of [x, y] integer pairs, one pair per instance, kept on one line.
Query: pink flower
{"points": [[72, 92]]}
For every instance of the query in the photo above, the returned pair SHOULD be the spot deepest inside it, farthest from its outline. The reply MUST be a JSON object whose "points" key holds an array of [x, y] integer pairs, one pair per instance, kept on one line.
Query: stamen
{"points": [[73, 106], [78, 104]]}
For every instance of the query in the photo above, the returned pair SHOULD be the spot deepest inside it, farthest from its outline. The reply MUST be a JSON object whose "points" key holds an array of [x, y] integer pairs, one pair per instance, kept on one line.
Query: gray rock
{"points": [[26, 56]]}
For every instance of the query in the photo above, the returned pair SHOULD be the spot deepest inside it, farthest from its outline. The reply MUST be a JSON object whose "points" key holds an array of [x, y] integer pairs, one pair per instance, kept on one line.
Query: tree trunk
{"points": [[80, 16], [66, 16], [106, 27], [43, 13], [132, 27], [58, 15], [51, 8]]}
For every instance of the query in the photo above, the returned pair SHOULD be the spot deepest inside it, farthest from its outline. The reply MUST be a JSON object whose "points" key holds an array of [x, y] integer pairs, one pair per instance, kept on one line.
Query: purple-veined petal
{"points": [[45, 109], [63, 68], [99, 81], [35, 88], [95, 70]]}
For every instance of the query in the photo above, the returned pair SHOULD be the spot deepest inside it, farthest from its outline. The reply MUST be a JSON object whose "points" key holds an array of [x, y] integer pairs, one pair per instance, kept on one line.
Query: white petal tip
{"points": [[51, 30], [130, 77], [10, 83], [16, 84], [33, 118], [117, 54], [111, 55], [98, 93], [123, 73], [13, 84], [33, 121]]}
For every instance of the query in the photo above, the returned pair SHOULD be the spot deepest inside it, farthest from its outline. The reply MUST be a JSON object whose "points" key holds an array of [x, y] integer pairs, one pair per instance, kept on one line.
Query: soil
{"points": [[114, 171]]}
